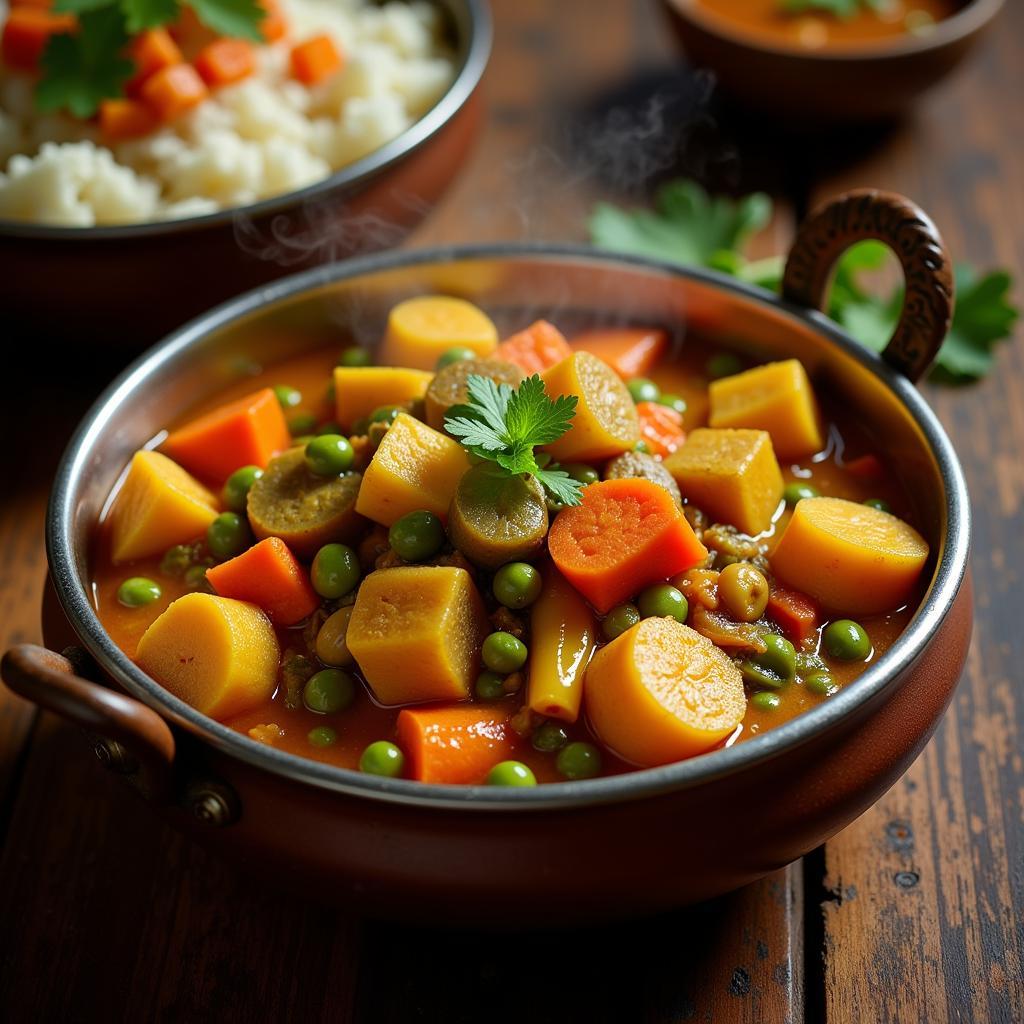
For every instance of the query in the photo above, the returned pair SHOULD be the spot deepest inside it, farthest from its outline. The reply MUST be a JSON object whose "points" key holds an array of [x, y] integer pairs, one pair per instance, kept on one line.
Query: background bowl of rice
{"points": [[208, 235]]}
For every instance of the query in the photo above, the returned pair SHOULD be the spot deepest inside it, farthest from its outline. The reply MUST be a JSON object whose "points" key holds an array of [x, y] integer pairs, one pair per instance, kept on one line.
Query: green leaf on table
{"points": [[238, 18], [143, 14]]}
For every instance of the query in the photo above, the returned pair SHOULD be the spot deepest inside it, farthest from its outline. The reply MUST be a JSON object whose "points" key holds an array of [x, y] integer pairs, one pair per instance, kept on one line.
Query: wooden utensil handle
{"points": [[894, 220], [143, 745]]}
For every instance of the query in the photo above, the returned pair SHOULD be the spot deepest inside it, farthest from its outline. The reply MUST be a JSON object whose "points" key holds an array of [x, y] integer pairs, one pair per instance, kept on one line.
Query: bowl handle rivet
{"points": [[115, 757], [212, 803]]}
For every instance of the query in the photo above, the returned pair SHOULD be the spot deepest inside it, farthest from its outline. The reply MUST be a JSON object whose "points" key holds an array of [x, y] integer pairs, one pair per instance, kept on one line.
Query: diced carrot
{"points": [[629, 351], [151, 51], [126, 119], [456, 745], [315, 59], [26, 33], [225, 61], [267, 575], [795, 613], [274, 26], [868, 467], [626, 534], [661, 427], [538, 348], [246, 432], [171, 92]]}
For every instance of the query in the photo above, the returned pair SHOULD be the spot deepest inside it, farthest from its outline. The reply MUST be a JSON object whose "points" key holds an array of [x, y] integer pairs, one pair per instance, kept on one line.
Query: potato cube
{"points": [[359, 390], [414, 467], [731, 474], [159, 504], [776, 397], [419, 330], [416, 633]]}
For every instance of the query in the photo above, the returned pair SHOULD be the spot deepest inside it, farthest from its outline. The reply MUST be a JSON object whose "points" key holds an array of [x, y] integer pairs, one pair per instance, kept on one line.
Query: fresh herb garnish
{"points": [[840, 8], [504, 425], [690, 228]]}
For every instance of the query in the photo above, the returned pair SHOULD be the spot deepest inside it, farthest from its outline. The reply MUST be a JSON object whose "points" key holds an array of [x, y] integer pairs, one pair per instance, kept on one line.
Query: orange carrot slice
{"points": [[267, 575], [126, 119], [629, 351], [173, 91], [626, 534], [795, 613], [536, 349], [315, 59], [273, 26], [660, 427], [225, 61], [151, 51], [26, 33], [457, 745]]}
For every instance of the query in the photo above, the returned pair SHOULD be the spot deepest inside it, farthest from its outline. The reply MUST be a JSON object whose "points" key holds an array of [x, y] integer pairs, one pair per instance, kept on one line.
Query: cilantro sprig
{"points": [[687, 226], [504, 426]]}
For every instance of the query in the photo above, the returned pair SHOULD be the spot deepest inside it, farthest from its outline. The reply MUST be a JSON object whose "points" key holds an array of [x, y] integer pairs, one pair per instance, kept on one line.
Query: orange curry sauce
{"points": [[365, 721]]}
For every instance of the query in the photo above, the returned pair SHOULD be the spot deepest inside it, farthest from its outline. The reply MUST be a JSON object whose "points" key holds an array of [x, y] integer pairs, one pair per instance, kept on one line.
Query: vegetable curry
{"points": [[464, 560]]}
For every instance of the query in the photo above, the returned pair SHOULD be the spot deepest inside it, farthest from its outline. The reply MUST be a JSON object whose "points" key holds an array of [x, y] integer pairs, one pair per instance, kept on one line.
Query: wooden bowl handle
{"points": [[133, 739], [864, 214]]}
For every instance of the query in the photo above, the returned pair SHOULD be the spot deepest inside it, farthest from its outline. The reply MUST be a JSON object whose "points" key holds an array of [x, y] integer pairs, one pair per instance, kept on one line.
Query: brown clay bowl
{"points": [[127, 286], [854, 83], [586, 850]]}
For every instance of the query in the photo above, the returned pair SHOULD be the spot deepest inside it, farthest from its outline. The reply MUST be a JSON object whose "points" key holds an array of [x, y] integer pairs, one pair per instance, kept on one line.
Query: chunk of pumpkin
{"points": [[159, 504], [216, 654], [414, 467], [416, 633], [629, 351], [731, 474], [419, 330], [359, 390], [661, 692], [776, 397], [851, 558]]}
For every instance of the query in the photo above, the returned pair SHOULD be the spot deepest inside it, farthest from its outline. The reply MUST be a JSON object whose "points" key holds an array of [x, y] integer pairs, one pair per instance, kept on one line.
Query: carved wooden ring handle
{"points": [[50, 680], [855, 217]]}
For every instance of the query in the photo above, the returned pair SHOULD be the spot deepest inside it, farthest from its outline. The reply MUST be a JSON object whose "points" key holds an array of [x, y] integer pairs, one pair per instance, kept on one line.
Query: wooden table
{"points": [[913, 913]]}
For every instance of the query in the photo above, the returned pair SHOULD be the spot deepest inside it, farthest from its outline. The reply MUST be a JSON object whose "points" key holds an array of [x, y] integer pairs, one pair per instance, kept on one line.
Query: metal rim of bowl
{"points": [[73, 593], [475, 52], [969, 19]]}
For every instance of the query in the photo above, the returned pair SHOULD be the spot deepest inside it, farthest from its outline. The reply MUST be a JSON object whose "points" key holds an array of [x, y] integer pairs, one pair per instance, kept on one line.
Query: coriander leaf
{"points": [[461, 423], [517, 458], [78, 6], [82, 69], [143, 14], [840, 8], [239, 18], [534, 417], [562, 487]]}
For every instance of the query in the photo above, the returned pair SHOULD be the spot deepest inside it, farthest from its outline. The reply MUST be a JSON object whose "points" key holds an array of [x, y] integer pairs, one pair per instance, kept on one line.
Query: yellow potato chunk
{"points": [[851, 558], [731, 474], [605, 424], [661, 692], [776, 397], [420, 329], [159, 505], [359, 390], [414, 467], [214, 653], [416, 633]]}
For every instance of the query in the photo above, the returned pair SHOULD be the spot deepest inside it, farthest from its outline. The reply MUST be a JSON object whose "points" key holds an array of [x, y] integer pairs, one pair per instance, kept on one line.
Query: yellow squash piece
{"points": [[850, 557], [414, 467], [359, 390], [416, 633], [420, 329], [214, 653], [661, 692], [776, 397], [731, 474], [563, 632], [605, 424], [159, 505]]}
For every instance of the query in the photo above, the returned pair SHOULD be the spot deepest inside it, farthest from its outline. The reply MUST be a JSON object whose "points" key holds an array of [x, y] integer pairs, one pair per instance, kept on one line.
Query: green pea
{"points": [[335, 571], [847, 640], [797, 492], [775, 667], [642, 446], [137, 591], [322, 736], [619, 619], [237, 486], [355, 355], [517, 585], [643, 390], [288, 397], [553, 505], [880, 503], [503, 653], [228, 535], [663, 600], [328, 691], [457, 354], [490, 685], [820, 683], [765, 700], [549, 736], [673, 402], [579, 761], [580, 471], [417, 536], [807, 663], [195, 578], [177, 560], [724, 364], [511, 773], [382, 758], [330, 427], [385, 414], [301, 423], [329, 455]]}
